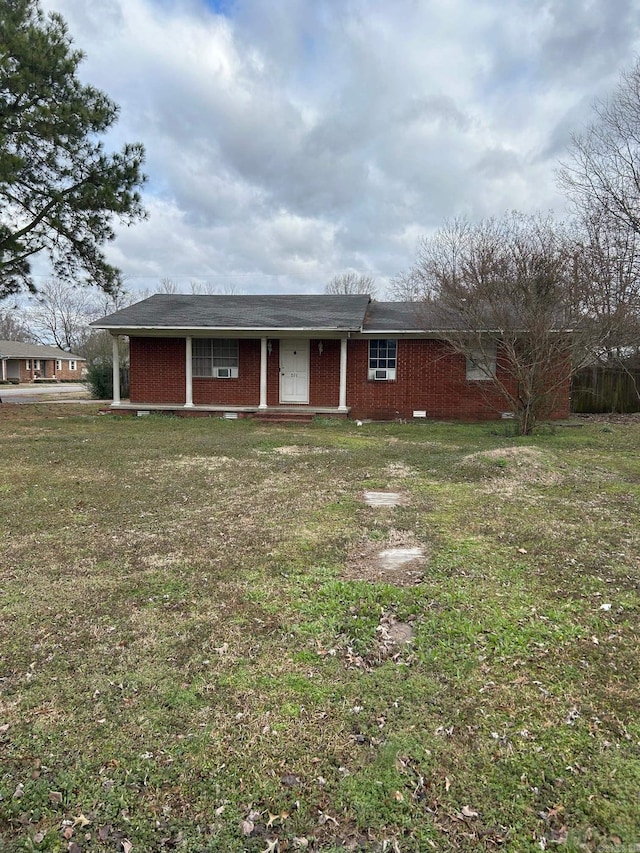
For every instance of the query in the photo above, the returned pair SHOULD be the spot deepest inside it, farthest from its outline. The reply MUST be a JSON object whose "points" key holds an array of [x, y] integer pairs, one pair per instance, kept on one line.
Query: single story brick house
{"points": [[242, 356], [20, 362]]}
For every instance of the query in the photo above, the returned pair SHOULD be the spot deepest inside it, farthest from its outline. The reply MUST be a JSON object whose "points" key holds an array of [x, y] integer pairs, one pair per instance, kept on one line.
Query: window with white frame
{"points": [[481, 363], [28, 364], [72, 365], [215, 357], [382, 359], [58, 364]]}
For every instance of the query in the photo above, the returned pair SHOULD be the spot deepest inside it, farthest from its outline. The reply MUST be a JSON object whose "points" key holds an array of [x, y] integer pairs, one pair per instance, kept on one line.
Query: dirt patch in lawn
{"points": [[200, 462], [521, 455], [393, 641], [398, 560], [400, 470], [608, 418], [506, 470]]}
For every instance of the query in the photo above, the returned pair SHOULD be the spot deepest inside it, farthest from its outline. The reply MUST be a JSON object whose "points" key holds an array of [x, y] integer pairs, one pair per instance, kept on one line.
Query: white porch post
{"points": [[188, 374], [4, 370], [263, 373], [342, 405], [116, 371]]}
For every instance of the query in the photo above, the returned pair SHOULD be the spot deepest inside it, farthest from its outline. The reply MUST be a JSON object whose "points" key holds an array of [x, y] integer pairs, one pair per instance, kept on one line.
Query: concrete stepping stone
{"points": [[395, 558], [383, 499], [400, 633]]}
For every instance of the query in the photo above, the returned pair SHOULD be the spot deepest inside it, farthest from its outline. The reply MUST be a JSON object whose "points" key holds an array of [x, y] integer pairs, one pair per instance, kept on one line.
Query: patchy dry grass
{"points": [[199, 651]]}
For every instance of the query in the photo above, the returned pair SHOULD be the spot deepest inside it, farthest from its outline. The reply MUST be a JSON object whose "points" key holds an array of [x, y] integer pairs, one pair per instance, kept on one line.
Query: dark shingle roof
{"points": [[18, 349], [279, 313], [409, 317], [171, 311]]}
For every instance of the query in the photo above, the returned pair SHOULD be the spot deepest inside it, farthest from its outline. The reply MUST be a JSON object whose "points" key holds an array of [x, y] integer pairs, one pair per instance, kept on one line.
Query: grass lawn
{"points": [[199, 650]]}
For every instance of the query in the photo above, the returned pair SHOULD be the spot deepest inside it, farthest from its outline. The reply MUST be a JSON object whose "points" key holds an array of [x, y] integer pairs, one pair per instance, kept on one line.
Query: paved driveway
{"points": [[35, 393]]}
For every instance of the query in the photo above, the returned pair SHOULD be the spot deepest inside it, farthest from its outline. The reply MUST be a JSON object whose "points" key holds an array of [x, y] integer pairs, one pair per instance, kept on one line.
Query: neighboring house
{"points": [[21, 362], [241, 356]]}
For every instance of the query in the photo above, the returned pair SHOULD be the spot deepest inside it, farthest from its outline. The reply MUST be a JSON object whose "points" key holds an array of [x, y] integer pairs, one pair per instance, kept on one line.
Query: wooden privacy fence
{"points": [[606, 389]]}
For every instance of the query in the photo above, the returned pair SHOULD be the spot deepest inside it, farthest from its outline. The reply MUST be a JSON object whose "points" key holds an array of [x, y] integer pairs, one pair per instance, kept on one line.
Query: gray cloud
{"points": [[290, 140]]}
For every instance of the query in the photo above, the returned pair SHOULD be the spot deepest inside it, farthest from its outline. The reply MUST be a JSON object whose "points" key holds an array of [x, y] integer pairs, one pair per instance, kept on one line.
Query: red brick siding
{"points": [[324, 373], [157, 370], [430, 377], [559, 402], [273, 373], [243, 391], [48, 370], [66, 372]]}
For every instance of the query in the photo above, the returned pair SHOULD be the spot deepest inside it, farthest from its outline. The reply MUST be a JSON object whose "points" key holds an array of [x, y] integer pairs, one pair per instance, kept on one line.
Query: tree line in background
{"points": [[548, 297], [60, 314]]}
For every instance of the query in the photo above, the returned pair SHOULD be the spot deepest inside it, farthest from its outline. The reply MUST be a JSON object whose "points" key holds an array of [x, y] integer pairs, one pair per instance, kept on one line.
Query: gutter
{"points": [[271, 330]]}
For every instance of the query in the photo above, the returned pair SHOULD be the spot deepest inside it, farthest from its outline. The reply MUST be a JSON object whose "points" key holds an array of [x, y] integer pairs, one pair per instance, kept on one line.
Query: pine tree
{"points": [[59, 188]]}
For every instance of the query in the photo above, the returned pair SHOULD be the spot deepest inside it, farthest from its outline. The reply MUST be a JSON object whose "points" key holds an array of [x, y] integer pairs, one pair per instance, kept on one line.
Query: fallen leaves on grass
{"points": [[467, 811], [393, 641]]}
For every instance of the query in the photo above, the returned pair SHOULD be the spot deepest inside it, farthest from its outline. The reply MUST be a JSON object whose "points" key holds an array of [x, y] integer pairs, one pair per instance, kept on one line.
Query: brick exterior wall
{"points": [[47, 369], [324, 373], [157, 370], [243, 391], [430, 377]]}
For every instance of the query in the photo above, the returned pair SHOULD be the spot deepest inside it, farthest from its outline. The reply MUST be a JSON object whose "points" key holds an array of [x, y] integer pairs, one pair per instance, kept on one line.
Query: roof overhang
{"points": [[227, 332]]}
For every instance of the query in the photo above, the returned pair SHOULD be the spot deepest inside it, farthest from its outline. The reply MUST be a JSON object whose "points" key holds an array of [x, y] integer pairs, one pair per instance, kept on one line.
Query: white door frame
{"points": [[301, 346]]}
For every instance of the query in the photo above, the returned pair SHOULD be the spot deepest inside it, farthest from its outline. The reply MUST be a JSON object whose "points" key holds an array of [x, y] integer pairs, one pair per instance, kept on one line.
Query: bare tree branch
{"points": [[602, 170], [514, 294], [351, 282]]}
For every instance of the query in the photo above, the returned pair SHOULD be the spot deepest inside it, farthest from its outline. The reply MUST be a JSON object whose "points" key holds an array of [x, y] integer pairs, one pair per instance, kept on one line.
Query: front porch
{"points": [[239, 375], [271, 414]]}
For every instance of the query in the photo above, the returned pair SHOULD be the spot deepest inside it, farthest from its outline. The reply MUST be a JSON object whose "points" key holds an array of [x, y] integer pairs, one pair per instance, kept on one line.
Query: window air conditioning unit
{"points": [[382, 373], [226, 372]]}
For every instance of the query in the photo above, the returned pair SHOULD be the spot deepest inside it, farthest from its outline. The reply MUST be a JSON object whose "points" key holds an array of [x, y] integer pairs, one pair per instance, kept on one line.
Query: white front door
{"points": [[294, 371]]}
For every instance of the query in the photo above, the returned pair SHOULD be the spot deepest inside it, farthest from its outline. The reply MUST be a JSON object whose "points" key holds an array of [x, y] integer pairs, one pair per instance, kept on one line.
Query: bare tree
{"points": [[61, 313], [13, 326], [508, 293], [602, 171], [199, 288], [609, 253], [408, 286], [351, 282], [167, 285], [601, 177]]}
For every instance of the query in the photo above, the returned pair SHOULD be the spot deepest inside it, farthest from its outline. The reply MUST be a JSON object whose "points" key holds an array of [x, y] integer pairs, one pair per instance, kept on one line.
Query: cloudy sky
{"points": [[290, 140]]}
